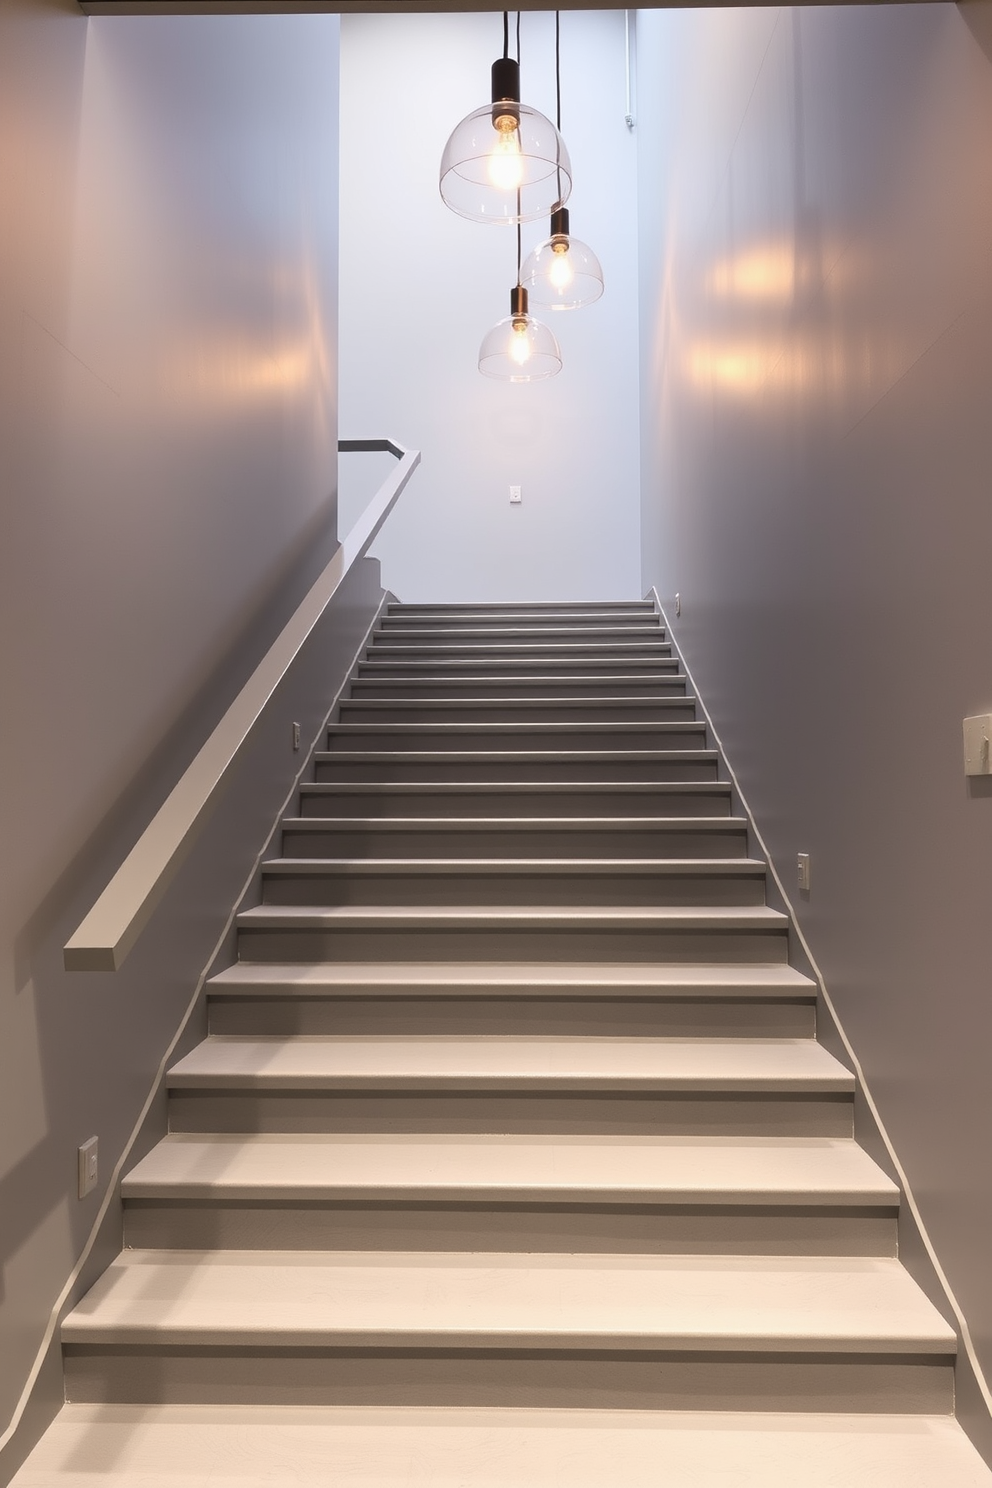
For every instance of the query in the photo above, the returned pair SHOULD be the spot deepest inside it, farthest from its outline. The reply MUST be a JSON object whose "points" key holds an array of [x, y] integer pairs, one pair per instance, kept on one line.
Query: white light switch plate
{"points": [[515, 497], [803, 873], [89, 1166], [977, 733]]}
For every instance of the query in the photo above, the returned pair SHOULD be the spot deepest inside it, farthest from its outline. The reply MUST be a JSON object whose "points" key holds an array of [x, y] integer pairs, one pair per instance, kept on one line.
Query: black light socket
{"points": [[559, 222], [518, 301], [506, 89]]}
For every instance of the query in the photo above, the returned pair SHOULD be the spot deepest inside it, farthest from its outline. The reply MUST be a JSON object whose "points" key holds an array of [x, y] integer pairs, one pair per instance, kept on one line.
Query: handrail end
{"points": [[91, 957]]}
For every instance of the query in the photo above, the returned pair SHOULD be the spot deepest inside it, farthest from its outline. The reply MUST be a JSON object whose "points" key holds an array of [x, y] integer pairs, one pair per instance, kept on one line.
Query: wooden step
{"points": [[529, 616], [561, 665], [518, 630], [564, 800], [636, 1001], [687, 1195], [610, 1086], [282, 1446], [540, 684], [667, 933], [427, 1327]]}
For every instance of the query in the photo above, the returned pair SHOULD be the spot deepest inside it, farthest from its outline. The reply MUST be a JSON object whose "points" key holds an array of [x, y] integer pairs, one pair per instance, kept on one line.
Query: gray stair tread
{"points": [[634, 645], [367, 1447], [535, 824], [515, 867], [502, 730], [751, 1304], [500, 630], [476, 756], [531, 678], [427, 703], [757, 917], [520, 1062], [494, 1169], [508, 787], [562, 979], [500, 615]]}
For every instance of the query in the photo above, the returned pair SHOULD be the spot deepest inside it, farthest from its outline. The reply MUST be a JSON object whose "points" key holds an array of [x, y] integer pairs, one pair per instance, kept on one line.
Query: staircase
{"points": [[511, 1157]]}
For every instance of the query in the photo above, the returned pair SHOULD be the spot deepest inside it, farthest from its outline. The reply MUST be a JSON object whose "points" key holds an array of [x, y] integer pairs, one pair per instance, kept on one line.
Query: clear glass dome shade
{"points": [[562, 274], [520, 349], [515, 172]]}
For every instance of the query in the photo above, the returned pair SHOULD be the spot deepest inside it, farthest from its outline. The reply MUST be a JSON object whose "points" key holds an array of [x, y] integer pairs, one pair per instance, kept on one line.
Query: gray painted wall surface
{"points": [[168, 286], [421, 287], [816, 246]]}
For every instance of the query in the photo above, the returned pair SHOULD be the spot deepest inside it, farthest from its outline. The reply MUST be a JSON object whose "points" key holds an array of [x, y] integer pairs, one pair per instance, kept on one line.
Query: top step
{"points": [[539, 606]]}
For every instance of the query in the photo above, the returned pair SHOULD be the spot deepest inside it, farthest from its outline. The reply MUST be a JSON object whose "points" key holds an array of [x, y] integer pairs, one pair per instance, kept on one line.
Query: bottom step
{"points": [[196, 1446]]}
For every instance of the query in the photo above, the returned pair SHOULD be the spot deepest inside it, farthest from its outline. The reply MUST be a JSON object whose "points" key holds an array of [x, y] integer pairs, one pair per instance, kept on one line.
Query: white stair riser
{"points": [[512, 736], [700, 1113], [528, 1226], [463, 1378], [529, 710], [384, 798], [519, 888], [699, 1017], [521, 768], [412, 688], [562, 942]]}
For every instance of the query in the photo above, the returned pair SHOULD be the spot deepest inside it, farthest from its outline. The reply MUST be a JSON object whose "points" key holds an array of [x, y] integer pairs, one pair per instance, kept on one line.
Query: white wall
{"points": [[816, 192], [420, 287], [168, 286]]}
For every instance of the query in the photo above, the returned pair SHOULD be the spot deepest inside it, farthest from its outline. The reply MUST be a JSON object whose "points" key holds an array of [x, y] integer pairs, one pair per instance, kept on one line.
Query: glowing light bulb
{"points": [[560, 271], [506, 165], [520, 343]]}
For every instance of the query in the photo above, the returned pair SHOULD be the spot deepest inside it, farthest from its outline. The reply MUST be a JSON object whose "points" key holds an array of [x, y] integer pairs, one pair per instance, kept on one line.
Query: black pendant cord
{"points": [[506, 34], [558, 88], [518, 237], [518, 38]]}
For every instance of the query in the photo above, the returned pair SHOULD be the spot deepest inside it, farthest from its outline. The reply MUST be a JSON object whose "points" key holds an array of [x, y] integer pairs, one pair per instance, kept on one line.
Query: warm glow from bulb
{"points": [[560, 270], [506, 164], [520, 343]]}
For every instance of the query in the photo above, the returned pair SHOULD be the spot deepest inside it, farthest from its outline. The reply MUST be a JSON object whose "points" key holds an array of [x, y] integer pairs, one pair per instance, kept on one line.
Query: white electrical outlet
{"points": [[296, 736], [89, 1166], [802, 865], [514, 495], [678, 605], [977, 733]]}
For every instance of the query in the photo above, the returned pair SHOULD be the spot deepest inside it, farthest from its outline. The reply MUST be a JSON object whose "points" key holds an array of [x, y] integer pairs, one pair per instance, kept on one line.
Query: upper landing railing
{"points": [[118, 917]]}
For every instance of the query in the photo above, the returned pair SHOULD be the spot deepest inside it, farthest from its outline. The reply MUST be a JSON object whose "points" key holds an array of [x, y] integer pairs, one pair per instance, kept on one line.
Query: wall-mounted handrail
{"points": [[118, 917]]}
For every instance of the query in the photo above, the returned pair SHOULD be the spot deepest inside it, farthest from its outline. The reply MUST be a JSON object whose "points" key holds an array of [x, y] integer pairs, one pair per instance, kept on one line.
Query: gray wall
{"points": [[816, 246], [421, 287], [168, 288]]}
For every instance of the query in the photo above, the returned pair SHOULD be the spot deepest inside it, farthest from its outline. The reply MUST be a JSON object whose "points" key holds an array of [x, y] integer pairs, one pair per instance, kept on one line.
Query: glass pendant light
{"points": [[519, 348], [562, 273], [505, 162]]}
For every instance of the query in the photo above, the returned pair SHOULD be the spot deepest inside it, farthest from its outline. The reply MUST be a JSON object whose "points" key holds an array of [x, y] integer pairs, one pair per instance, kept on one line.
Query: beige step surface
{"points": [[526, 1168], [511, 1063], [321, 1447], [317, 1299], [756, 917], [544, 979]]}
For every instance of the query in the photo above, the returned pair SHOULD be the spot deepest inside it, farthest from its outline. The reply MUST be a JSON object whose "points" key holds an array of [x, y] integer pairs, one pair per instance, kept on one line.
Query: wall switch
{"points": [[802, 864], [678, 605], [977, 733], [515, 495], [296, 736], [89, 1166]]}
